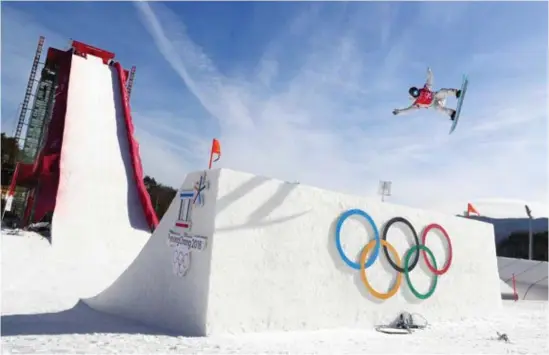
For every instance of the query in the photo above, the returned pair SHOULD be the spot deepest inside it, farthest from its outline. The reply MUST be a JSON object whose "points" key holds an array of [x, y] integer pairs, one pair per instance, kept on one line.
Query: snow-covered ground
{"points": [[42, 315]]}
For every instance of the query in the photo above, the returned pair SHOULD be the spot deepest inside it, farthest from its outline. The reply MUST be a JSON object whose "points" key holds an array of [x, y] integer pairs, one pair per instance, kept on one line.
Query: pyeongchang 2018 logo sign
{"points": [[404, 265]]}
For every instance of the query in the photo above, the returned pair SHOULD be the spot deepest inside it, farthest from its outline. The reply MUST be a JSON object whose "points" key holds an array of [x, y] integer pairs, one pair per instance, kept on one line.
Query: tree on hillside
{"points": [[150, 184], [10, 152], [516, 246], [161, 195]]}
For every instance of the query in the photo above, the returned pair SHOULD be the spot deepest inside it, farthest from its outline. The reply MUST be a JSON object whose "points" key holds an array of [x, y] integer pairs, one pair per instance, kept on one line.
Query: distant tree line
{"points": [[516, 246], [10, 153], [161, 195]]}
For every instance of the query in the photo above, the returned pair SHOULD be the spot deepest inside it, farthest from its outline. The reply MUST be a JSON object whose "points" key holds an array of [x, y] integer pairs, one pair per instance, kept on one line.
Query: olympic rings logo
{"points": [[401, 266]]}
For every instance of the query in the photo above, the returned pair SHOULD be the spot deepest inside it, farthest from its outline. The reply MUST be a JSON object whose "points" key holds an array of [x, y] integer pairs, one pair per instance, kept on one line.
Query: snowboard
{"points": [[392, 330], [464, 85]]}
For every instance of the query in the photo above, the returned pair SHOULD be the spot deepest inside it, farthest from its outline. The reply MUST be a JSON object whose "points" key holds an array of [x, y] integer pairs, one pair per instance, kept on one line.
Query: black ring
{"points": [[384, 237]]}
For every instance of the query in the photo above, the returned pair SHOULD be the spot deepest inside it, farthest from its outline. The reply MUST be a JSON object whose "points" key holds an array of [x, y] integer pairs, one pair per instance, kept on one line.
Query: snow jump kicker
{"points": [[401, 266]]}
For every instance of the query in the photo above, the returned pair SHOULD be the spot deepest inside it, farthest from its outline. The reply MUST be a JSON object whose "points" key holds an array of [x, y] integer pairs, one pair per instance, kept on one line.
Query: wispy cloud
{"points": [[311, 98], [328, 125], [22, 24]]}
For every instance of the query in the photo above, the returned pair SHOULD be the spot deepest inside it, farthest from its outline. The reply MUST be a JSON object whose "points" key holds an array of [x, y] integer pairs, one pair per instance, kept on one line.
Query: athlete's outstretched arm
{"points": [[407, 109], [429, 82]]}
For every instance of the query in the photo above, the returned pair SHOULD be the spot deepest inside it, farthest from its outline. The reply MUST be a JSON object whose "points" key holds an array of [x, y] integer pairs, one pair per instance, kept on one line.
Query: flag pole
{"points": [[211, 157], [214, 150], [211, 154]]}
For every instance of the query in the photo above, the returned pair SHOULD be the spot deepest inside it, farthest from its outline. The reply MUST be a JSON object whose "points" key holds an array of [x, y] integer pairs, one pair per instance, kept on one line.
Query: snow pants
{"points": [[439, 101]]}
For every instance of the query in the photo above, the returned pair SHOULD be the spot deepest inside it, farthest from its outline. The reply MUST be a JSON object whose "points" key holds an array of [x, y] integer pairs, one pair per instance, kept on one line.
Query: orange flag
{"points": [[216, 149], [471, 209]]}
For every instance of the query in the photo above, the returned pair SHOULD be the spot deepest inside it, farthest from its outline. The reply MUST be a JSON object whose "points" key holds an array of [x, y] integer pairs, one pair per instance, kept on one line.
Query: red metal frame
{"points": [[45, 169], [53, 57], [85, 49], [144, 197]]}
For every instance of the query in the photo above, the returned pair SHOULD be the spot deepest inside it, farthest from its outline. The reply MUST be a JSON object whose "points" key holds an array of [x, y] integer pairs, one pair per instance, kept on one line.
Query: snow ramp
{"points": [[102, 215], [242, 253]]}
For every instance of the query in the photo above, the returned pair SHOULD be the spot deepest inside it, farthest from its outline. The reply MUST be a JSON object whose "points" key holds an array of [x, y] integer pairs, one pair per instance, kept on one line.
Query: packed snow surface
{"points": [[36, 318]]}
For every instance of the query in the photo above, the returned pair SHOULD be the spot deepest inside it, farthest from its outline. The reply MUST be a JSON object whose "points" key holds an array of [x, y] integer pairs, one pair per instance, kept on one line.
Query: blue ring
{"points": [[374, 255]]}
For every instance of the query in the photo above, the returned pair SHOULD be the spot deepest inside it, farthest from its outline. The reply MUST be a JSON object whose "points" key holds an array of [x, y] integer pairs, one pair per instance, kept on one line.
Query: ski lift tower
{"points": [[384, 189], [530, 233], [34, 124], [24, 108]]}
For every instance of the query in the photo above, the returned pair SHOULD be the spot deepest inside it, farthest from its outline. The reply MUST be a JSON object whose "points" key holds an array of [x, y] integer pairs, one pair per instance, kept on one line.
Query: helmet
{"points": [[414, 92]]}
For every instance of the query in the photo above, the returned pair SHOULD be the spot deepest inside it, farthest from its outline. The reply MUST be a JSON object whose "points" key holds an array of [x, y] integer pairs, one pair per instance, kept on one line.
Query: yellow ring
{"points": [[369, 287]]}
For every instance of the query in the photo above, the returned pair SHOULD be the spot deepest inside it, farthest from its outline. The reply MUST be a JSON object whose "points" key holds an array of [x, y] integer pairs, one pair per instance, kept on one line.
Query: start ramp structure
{"points": [[82, 100], [85, 175], [242, 253]]}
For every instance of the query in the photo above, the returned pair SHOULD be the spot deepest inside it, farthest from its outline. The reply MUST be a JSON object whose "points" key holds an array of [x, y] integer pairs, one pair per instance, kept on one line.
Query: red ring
{"points": [[424, 237]]}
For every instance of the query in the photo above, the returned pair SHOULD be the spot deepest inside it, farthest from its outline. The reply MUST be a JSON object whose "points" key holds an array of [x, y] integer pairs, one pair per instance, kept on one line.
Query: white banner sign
{"points": [[9, 202]]}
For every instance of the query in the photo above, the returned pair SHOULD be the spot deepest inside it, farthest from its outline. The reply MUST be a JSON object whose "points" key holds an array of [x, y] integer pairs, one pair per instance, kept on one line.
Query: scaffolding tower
{"points": [[40, 116], [130, 82], [28, 92], [37, 122]]}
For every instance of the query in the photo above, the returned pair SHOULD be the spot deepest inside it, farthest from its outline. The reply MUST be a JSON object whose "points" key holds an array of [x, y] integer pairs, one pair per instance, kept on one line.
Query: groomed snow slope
{"points": [[263, 257], [32, 323], [530, 277], [98, 225]]}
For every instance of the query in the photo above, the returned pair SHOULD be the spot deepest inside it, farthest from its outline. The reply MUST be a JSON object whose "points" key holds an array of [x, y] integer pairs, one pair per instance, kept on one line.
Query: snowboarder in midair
{"points": [[427, 98]]}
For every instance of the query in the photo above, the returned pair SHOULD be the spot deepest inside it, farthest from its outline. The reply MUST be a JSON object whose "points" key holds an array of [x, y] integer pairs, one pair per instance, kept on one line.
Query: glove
{"points": [[396, 111]]}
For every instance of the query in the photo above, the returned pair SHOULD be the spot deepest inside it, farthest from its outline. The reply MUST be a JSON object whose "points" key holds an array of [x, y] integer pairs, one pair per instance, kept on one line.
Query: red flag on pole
{"points": [[216, 149], [471, 209]]}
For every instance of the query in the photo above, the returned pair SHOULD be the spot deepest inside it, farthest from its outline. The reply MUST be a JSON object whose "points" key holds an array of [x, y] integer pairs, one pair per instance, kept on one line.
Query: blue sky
{"points": [[304, 91]]}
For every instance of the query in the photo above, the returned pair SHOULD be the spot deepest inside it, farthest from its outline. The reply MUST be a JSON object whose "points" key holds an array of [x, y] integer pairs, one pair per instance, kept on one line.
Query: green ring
{"points": [[407, 275]]}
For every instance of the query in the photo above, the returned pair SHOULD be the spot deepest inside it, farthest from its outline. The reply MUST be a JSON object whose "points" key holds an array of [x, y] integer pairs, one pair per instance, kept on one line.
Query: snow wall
{"points": [[249, 254]]}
